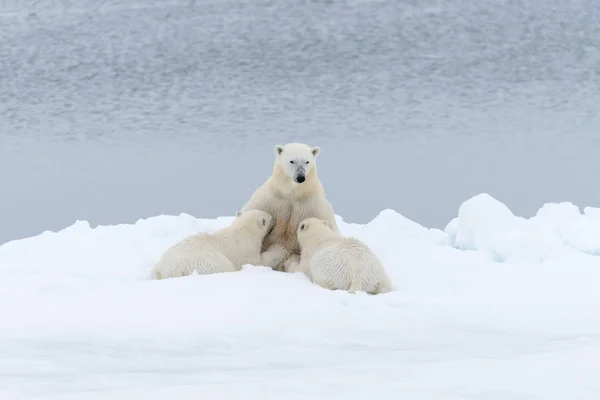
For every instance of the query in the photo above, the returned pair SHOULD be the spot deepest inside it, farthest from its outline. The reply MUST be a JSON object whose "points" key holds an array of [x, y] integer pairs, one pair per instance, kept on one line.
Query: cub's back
{"points": [[349, 250]]}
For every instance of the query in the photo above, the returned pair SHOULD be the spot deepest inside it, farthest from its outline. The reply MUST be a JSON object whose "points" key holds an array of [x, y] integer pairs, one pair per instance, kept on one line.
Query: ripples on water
{"points": [[112, 113]]}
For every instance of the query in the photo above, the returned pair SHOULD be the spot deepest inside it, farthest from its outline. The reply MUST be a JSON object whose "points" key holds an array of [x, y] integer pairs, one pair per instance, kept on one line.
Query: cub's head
{"points": [[296, 160], [312, 228], [257, 221]]}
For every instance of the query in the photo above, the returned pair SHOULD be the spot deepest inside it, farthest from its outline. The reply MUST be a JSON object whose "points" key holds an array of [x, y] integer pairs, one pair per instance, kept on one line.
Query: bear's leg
{"points": [[355, 287], [212, 262], [385, 286], [273, 256], [292, 264]]}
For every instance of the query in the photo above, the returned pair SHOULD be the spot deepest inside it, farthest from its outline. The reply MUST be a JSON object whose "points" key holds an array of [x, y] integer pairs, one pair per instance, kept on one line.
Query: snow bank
{"points": [[487, 225], [79, 319]]}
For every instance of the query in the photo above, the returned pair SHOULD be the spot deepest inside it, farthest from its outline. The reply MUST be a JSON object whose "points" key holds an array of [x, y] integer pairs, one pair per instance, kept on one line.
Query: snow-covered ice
{"points": [[495, 307]]}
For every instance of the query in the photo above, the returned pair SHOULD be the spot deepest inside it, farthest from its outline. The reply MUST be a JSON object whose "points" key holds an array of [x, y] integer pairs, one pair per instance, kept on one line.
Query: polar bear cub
{"points": [[226, 250], [292, 193], [336, 262]]}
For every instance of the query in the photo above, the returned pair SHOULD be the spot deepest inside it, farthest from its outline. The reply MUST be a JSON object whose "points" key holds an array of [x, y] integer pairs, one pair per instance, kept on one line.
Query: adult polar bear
{"points": [[291, 194]]}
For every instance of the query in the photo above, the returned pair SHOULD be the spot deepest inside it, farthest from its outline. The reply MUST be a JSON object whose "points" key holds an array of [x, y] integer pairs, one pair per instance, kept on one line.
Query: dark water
{"points": [[113, 111]]}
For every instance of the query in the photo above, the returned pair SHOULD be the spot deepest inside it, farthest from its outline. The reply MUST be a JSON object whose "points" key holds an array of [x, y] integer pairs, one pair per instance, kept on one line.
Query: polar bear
{"points": [[223, 251], [336, 262], [292, 193]]}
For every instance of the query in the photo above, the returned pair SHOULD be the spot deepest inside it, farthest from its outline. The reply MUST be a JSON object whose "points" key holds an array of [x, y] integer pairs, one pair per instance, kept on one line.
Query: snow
{"points": [[485, 224], [495, 307]]}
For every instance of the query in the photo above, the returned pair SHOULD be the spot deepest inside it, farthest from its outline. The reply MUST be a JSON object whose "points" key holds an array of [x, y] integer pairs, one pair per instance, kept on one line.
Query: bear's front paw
{"points": [[273, 255], [292, 264], [278, 251]]}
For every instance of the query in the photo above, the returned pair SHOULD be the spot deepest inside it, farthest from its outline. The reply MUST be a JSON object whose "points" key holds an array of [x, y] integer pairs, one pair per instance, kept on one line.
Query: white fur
{"points": [[336, 262], [226, 250], [288, 200]]}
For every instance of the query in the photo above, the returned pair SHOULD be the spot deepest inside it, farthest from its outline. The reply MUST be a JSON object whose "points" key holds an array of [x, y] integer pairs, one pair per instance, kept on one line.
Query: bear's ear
{"points": [[278, 149], [302, 226], [315, 151], [238, 213]]}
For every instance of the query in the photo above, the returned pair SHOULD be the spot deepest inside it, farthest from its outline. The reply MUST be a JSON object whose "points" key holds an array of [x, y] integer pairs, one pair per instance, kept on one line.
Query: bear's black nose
{"points": [[300, 178]]}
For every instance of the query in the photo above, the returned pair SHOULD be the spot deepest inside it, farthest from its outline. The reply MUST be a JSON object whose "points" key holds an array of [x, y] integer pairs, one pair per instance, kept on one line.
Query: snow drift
{"points": [[495, 306]]}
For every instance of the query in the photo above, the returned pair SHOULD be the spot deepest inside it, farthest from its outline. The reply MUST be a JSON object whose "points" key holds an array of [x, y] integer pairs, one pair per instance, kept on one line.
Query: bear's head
{"points": [[296, 160], [256, 221], [313, 228]]}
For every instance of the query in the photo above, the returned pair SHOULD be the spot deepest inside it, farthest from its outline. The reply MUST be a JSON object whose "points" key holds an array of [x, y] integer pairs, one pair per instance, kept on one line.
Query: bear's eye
{"points": [[302, 227], [306, 162], [291, 161], [263, 221]]}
